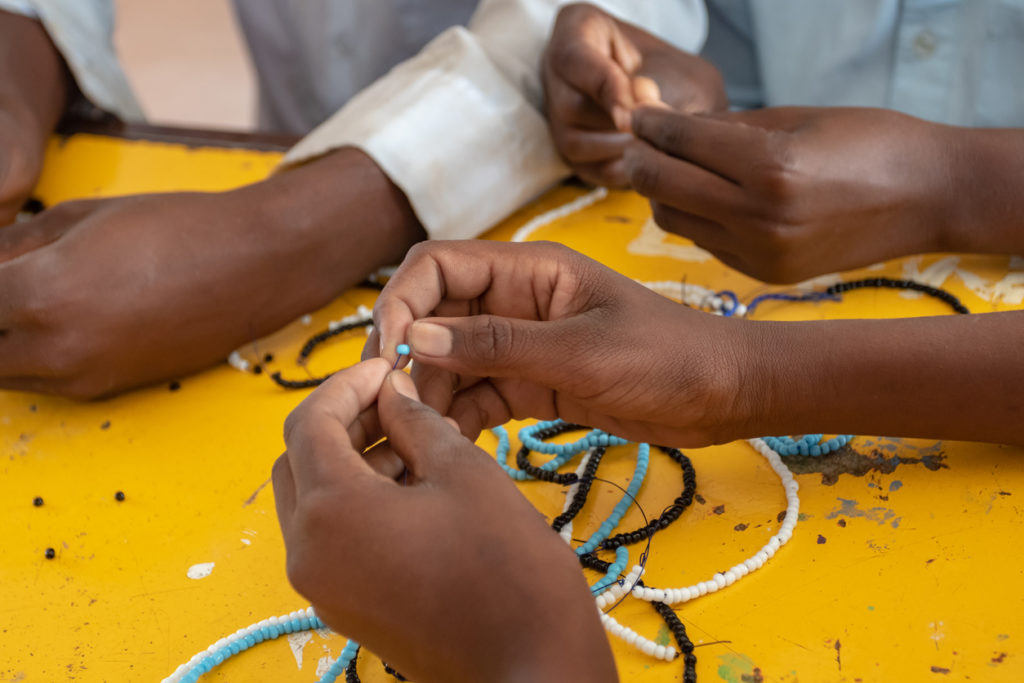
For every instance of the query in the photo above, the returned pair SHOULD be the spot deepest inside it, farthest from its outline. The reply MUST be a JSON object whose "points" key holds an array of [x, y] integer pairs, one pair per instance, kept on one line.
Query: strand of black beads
{"points": [[298, 383], [388, 669], [671, 513], [321, 337], [890, 283], [579, 499], [592, 561], [351, 675], [523, 460], [685, 644]]}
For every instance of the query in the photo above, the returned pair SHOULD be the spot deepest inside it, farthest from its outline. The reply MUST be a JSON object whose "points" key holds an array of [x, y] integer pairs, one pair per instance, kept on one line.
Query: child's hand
{"points": [[501, 331], [786, 194], [450, 575], [596, 69]]}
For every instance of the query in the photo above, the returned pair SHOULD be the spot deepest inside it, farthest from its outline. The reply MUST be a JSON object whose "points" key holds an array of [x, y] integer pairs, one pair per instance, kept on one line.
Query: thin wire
{"points": [[644, 555]]}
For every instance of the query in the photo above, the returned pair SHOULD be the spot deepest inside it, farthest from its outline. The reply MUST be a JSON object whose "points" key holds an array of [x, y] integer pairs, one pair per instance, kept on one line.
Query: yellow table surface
{"points": [[902, 568]]}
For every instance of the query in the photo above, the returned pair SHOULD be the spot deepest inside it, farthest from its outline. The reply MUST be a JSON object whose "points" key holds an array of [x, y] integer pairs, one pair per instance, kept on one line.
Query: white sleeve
{"points": [[83, 31], [460, 128], [19, 7]]}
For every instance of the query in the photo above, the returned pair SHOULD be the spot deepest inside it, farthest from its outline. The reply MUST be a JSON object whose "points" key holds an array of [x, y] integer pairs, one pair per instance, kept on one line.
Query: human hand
{"points": [[101, 296], [502, 331], [33, 91], [452, 576], [20, 164], [785, 194], [596, 69]]}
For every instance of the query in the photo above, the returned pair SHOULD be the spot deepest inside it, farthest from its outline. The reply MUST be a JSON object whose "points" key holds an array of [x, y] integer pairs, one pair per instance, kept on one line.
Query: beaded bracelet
{"points": [[670, 515], [722, 579], [243, 639], [809, 444], [576, 497]]}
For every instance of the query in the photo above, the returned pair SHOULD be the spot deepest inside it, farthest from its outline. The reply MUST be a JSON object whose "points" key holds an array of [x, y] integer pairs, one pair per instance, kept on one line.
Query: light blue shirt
{"points": [[951, 61]]}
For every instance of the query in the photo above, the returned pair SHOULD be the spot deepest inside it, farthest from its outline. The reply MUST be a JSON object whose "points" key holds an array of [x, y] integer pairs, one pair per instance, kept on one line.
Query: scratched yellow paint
{"points": [[903, 575]]}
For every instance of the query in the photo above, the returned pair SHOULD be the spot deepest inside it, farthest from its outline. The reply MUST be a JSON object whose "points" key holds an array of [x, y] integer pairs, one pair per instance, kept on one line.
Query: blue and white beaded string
{"points": [[616, 589], [245, 638]]}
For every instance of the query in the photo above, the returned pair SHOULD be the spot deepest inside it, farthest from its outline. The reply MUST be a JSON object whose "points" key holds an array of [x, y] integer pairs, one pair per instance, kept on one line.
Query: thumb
{"points": [[494, 346], [42, 230], [416, 432]]}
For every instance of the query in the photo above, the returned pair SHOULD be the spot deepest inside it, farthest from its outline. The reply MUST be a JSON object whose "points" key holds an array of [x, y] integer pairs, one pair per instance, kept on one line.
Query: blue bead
{"points": [[403, 350]]}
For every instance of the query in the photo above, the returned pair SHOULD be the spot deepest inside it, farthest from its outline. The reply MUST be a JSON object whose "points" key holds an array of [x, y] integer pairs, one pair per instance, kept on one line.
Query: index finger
{"points": [[325, 436], [468, 278], [597, 75], [724, 147]]}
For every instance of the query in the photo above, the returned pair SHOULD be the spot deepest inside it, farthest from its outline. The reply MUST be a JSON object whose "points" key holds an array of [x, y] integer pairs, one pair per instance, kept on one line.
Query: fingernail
{"points": [[404, 385], [429, 339], [622, 119]]}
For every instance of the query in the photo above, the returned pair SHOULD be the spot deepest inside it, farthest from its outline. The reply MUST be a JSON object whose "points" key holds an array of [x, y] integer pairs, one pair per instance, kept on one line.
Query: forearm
{"points": [[327, 224], [988, 191], [956, 377], [33, 80]]}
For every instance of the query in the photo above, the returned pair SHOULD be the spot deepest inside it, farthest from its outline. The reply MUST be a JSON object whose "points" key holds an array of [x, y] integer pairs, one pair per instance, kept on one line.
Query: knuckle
{"points": [[492, 339], [645, 176], [663, 216]]}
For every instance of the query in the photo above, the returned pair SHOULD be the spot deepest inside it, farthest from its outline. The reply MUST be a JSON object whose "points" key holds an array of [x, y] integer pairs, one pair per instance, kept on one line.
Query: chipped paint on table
{"points": [[901, 568]]}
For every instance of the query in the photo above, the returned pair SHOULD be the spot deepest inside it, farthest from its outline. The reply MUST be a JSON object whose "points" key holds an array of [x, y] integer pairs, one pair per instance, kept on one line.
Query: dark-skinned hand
{"points": [[596, 70], [785, 194], [449, 574], [105, 295], [33, 91], [508, 331]]}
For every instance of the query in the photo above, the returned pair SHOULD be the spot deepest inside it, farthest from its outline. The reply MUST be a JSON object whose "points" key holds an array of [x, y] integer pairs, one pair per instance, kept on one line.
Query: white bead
{"points": [[649, 647], [730, 577], [631, 636], [685, 595], [719, 581], [702, 588], [660, 652]]}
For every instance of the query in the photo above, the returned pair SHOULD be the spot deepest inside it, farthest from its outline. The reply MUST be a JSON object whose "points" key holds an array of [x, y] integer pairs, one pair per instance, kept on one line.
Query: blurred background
{"points": [[197, 46]]}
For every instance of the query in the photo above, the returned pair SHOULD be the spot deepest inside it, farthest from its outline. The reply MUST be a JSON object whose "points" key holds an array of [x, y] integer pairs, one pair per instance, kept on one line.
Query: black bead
{"points": [[119, 496], [50, 553], [174, 386], [257, 369], [37, 501], [268, 358]]}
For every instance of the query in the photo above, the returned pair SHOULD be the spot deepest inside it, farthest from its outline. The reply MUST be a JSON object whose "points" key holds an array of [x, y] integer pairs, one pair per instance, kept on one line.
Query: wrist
{"points": [[983, 200], [339, 216]]}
